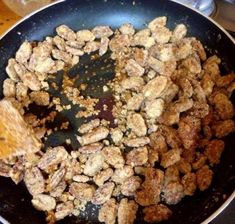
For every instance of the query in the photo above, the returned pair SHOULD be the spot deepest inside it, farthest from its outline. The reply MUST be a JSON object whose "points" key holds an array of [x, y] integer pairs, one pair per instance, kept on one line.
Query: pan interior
{"points": [[15, 203]]}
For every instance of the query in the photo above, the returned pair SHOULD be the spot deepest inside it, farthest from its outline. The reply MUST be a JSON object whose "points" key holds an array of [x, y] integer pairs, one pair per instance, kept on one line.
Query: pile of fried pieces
{"points": [[171, 111]]}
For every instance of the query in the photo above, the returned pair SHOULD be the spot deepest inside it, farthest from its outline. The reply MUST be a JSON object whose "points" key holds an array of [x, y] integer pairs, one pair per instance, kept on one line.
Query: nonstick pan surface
{"points": [[15, 205]]}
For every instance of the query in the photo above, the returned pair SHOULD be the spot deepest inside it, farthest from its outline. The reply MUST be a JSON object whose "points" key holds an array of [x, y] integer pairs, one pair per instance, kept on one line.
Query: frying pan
{"points": [[15, 205]]}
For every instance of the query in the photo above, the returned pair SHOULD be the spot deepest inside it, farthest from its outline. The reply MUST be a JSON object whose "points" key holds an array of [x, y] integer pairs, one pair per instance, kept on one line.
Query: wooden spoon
{"points": [[16, 137]]}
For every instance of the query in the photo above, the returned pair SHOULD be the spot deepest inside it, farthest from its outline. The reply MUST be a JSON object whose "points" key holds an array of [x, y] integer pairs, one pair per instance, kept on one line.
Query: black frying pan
{"points": [[15, 205]]}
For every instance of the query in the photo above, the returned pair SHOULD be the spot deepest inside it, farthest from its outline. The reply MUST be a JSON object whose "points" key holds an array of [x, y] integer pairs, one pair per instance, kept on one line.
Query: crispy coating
{"points": [[170, 106]]}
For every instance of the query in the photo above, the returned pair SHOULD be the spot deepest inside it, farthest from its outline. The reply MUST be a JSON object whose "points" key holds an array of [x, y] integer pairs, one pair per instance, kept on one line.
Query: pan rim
{"points": [[208, 18], [220, 209], [232, 196], [60, 1]]}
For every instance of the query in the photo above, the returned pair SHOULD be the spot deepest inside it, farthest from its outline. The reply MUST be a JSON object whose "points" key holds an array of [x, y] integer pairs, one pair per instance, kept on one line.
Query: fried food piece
{"points": [[190, 184], [214, 150], [223, 106], [94, 164], [223, 128], [63, 210], [149, 193], [108, 212], [137, 157], [103, 193], [34, 181], [122, 174], [173, 192], [130, 185], [103, 176], [156, 213], [113, 156], [9, 88], [82, 191], [170, 158], [53, 156], [137, 124], [204, 178], [127, 211], [94, 136], [43, 202]]}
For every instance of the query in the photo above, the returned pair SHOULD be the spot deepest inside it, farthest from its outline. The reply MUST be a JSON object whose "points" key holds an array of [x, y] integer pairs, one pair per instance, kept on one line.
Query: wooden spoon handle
{"points": [[16, 137]]}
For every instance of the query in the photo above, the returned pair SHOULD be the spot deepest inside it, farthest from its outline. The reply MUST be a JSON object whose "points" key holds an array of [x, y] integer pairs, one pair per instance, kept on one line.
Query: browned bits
{"points": [[199, 162], [171, 105], [225, 80], [119, 42], [141, 56], [158, 142], [41, 98], [184, 166]]}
